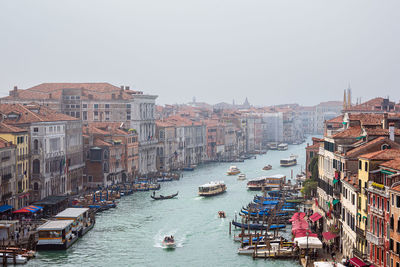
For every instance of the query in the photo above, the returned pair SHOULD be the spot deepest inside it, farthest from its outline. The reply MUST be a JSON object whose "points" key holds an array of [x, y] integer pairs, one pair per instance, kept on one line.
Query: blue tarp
{"points": [[5, 208]]}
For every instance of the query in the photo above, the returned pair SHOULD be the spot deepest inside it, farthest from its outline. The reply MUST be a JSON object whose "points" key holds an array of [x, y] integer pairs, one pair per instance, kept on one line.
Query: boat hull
{"points": [[63, 246]]}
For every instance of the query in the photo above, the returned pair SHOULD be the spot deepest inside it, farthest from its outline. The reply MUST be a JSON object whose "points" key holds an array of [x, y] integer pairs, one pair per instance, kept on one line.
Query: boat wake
{"points": [[159, 237]]}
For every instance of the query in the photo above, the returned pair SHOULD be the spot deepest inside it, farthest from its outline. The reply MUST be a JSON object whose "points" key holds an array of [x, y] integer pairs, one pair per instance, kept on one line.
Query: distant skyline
{"points": [[272, 52]]}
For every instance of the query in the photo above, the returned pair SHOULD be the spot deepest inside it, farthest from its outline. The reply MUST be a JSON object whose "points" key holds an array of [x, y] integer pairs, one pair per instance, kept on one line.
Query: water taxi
{"points": [[212, 189], [292, 161], [56, 235], [233, 170], [266, 182], [283, 146], [267, 167], [169, 242], [82, 221], [242, 176]]}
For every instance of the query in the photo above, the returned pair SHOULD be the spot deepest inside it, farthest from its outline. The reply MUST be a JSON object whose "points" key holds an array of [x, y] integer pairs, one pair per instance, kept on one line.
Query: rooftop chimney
{"points": [[122, 87], [127, 88], [391, 131]]}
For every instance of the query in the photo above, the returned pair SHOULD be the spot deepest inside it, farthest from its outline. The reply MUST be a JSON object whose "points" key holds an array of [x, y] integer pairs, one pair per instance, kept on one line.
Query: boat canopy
{"points": [[71, 213], [212, 184], [55, 225]]}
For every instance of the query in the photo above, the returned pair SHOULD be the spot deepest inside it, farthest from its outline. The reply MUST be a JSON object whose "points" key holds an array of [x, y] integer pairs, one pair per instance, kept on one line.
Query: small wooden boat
{"points": [[161, 197], [242, 176], [169, 242], [267, 168], [257, 226], [221, 214]]}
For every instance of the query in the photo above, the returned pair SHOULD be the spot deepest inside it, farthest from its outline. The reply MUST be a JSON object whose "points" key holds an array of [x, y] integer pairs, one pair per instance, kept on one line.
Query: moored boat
{"points": [[266, 182], [212, 189], [82, 221], [233, 170], [257, 226], [56, 235]]}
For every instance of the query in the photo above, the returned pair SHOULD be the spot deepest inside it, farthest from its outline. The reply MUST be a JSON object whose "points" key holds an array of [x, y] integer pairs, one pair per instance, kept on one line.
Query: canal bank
{"points": [[132, 233]]}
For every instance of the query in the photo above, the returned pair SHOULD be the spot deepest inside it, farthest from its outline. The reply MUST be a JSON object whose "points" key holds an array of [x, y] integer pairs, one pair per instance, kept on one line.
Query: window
{"points": [[90, 178], [391, 222], [84, 115], [366, 166], [36, 144], [359, 165], [107, 105], [128, 115], [72, 97], [84, 105], [397, 201], [36, 166], [128, 105], [397, 249], [36, 186], [35, 129], [95, 105]]}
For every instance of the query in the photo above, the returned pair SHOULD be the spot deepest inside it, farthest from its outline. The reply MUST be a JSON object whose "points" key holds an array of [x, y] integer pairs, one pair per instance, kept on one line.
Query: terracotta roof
{"points": [[5, 128], [22, 114], [381, 132], [386, 154], [314, 146], [351, 132], [164, 124], [396, 188], [373, 104], [99, 91], [355, 151], [367, 119], [338, 119], [392, 164], [99, 142]]}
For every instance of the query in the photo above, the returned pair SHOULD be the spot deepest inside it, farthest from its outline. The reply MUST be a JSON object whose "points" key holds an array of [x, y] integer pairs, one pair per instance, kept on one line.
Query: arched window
{"points": [[366, 166], [36, 166], [398, 225], [105, 168], [385, 146], [35, 186], [36, 144], [105, 154]]}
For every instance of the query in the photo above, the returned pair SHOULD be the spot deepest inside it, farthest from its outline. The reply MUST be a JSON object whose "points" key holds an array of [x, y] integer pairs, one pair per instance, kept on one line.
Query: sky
{"points": [[273, 52]]}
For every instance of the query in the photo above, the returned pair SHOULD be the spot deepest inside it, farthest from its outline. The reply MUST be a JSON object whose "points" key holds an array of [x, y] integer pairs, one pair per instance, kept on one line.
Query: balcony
{"points": [[360, 231], [148, 142], [374, 239], [379, 189], [359, 254], [376, 210]]}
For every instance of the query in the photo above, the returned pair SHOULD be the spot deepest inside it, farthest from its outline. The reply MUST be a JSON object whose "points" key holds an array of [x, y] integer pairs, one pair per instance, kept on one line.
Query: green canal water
{"points": [[131, 234]]}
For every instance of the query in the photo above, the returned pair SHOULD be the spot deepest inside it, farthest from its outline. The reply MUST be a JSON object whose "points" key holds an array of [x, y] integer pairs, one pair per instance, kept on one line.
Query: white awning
{"points": [[313, 242]]}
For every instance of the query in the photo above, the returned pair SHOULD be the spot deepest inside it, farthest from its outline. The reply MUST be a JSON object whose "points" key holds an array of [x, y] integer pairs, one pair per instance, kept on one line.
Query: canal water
{"points": [[131, 234]]}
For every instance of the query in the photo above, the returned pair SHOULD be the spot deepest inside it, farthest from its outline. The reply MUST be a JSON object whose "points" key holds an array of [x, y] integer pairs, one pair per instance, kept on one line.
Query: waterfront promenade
{"points": [[131, 234]]}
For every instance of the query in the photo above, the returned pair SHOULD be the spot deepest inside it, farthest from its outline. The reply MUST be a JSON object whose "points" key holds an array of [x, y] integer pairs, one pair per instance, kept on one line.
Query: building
{"points": [[100, 102], [394, 242], [311, 152], [20, 138], [7, 173], [50, 161]]}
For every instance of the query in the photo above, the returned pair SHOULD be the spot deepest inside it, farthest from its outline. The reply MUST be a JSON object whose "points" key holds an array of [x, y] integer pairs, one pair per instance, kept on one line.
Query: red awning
{"points": [[297, 216], [301, 224], [301, 233], [328, 236], [315, 217], [357, 262]]}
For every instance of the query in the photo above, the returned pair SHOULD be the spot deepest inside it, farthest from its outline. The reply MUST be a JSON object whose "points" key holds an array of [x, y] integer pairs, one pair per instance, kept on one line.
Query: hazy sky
{"points": [[271, 51]]}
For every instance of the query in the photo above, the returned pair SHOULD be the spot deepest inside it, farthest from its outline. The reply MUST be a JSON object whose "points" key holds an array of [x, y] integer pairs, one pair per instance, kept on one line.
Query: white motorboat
{"points": [[242, 176]]}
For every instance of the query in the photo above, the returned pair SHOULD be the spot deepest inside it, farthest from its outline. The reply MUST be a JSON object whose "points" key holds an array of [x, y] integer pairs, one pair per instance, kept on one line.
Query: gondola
{"points": [[257, 226], [161, 197]]}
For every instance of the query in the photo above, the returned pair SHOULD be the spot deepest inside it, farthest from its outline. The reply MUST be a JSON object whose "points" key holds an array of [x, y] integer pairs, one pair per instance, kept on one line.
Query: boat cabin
{"points": [[212, 188], [56, 234], [79, 216]]}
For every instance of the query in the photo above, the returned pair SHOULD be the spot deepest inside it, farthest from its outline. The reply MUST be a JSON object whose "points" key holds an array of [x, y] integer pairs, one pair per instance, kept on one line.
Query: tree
{"points": [[310, 185]]}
